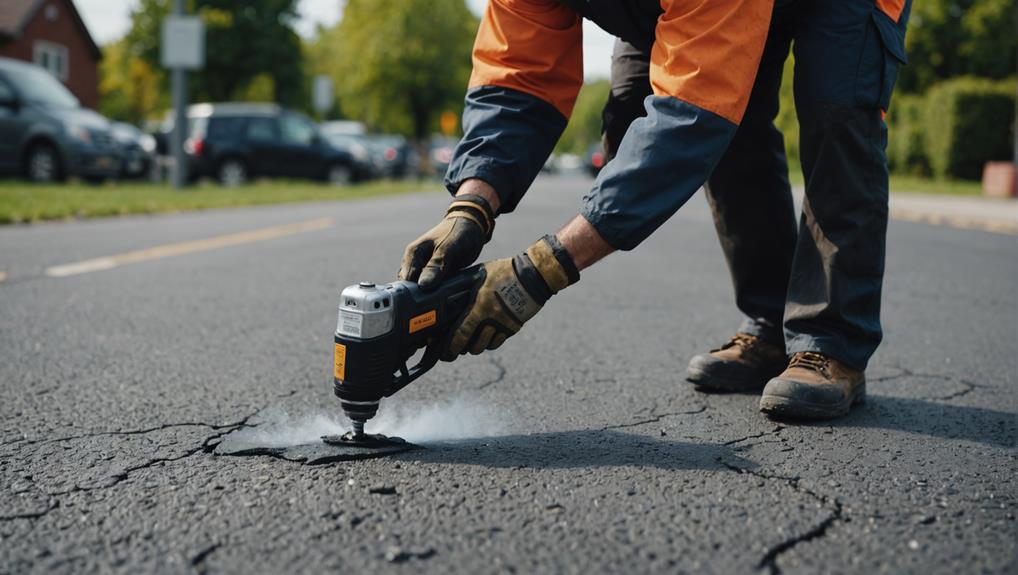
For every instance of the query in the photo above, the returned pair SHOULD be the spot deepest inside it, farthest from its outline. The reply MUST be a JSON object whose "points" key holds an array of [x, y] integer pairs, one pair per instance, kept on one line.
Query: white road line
{"points": [[169, 250], [957, 221]]}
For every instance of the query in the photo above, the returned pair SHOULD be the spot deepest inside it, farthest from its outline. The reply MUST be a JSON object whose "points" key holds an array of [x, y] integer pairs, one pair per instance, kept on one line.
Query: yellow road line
{"points": [[962, 222], [169, 250]]}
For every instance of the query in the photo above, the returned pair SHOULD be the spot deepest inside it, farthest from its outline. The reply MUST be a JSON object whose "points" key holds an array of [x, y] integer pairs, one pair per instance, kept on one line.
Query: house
{"points": [[51, 34]]}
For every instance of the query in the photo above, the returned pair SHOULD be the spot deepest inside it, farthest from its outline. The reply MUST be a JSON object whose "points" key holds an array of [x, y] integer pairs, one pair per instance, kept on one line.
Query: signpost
{"points": [[182, 49], [323, 96]]}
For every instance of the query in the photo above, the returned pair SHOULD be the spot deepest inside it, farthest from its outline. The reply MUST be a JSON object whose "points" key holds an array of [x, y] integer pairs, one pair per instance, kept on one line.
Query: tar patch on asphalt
{"points": [[318, 453]]}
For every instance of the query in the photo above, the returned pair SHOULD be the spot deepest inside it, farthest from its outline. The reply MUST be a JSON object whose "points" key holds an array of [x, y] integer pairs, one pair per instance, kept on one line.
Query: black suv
{"points": [[236, 142]]}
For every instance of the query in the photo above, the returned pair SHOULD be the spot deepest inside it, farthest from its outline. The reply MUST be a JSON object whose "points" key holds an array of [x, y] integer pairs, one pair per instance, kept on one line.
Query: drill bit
{"points": [[358, 428]]}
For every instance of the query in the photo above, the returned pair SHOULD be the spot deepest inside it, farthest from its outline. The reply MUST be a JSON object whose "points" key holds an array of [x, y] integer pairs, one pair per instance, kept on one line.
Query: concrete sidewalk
{"points": [[963, 212], [966, 212]]}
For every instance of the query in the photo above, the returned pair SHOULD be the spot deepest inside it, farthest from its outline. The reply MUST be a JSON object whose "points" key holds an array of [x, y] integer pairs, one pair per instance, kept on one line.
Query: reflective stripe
{"points": [[534, 46], [707, 52]]}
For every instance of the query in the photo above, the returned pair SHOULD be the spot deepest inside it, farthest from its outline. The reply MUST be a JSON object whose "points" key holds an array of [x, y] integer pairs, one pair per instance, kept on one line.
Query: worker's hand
{"points": [[451, 245], [509, 292]]}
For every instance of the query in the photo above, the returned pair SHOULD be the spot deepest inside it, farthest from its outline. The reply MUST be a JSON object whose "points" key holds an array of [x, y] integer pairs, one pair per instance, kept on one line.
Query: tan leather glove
{"points": [[451, 245], [507, 293]]}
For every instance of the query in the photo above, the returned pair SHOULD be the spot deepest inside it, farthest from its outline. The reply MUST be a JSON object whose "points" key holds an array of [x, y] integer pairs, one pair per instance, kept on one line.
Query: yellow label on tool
{"points": [[422, 321], [340, 371]]}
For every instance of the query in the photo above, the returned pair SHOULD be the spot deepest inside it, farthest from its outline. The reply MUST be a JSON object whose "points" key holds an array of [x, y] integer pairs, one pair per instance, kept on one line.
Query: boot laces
{"points": [[811, 360], [742, 340]]}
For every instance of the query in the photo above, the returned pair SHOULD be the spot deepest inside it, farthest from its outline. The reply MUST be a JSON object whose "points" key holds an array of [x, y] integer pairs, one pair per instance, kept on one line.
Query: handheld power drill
{"points": [[380, 328]]}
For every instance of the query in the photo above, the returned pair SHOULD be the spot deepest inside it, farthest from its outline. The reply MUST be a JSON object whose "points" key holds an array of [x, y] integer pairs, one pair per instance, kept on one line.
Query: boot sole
{"points": [[780, 406]]}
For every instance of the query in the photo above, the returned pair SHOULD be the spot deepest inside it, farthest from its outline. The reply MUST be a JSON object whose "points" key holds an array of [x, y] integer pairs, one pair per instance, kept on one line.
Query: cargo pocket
{"points": [[892, 36]]}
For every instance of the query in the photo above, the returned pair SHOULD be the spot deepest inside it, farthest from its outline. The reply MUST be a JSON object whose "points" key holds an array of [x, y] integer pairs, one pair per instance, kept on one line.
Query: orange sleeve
{"points": [[893, 8], [534, 46], [707, 52]]}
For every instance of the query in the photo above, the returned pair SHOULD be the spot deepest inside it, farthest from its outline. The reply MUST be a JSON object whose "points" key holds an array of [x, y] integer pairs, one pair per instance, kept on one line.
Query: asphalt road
{"points": [[586, 452]]}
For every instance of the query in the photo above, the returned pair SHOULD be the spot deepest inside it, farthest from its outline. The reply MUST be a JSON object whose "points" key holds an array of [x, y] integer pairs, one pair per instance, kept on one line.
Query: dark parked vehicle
{"points": [[441, 150], [45, 134], [359, 149], [594, 159], [235, 142], [137, 148], [392, 154]]}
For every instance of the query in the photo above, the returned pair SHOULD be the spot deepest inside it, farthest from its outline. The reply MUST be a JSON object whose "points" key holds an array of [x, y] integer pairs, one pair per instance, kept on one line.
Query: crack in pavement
{"points": [[655, 418], [142, 431], [198, 561], [775, 431], [770, 558], [968, 386], [498, 378]]}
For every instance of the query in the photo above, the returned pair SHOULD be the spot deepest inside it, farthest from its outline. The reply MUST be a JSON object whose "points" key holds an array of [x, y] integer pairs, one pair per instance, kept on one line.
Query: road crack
{"points": [[198, 561], [654, 418], [501, 373], [770, 558], [774, 431]]}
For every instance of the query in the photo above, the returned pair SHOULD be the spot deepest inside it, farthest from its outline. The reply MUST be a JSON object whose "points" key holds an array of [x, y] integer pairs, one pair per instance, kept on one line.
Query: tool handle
{"points": [[453, 297]]}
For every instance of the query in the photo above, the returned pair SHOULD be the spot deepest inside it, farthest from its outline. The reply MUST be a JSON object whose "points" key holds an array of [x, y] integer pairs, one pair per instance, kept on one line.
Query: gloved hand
{"points": [[451, 245], [507, 293]]}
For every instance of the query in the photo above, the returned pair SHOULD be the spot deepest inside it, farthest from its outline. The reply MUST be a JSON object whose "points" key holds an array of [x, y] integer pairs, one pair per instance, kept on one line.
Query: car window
{"points": [[261, 129], [296, 130], [38, 86], [6, 93], [228, 128]]}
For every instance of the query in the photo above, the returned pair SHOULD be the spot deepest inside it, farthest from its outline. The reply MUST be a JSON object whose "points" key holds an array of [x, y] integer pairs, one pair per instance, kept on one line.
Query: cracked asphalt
{"points": [[116, 386]]}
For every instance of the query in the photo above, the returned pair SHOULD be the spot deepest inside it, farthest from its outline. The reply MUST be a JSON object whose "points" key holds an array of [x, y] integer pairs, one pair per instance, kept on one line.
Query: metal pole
{"points": [[179, 90]]}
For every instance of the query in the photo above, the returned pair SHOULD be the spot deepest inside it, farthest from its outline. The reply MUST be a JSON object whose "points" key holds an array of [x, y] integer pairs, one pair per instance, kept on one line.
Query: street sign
{"points": [[183, 45], [322, 96]]}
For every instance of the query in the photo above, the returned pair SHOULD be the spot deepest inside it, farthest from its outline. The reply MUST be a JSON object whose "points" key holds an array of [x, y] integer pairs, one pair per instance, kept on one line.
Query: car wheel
{"points": [[232, 172], [340, 175], [43, 164]]}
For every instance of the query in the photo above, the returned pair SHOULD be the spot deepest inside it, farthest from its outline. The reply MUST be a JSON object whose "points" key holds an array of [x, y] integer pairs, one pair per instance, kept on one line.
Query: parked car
{"points": [[359, 149], [392, 154], [235, 142], [442, 149], [137, 148], [45, 134], [594, 159]]}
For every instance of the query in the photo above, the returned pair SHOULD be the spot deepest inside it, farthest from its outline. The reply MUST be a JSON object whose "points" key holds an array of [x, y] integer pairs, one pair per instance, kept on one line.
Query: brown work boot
{"points": [[745, 363], [814, 386]]}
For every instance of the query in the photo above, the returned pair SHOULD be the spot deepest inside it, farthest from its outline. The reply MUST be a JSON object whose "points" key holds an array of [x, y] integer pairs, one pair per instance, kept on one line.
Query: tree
{"points": [[584, 126], [130, 89], [948, 38], [251, 48], [398, 65]]}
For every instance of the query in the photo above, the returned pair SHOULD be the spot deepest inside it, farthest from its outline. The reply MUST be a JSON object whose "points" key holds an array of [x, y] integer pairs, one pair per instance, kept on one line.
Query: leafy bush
{"points": [[968, 122], [906, 146]]}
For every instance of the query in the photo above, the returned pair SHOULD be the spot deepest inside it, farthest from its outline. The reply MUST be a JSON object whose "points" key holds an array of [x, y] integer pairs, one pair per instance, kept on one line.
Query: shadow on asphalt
{"points": [[932, 418], [579, 449]]}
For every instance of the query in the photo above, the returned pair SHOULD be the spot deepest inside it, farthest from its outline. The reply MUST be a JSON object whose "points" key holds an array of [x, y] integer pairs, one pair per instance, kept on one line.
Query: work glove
{"points": [[507, 293], [451, 245]]}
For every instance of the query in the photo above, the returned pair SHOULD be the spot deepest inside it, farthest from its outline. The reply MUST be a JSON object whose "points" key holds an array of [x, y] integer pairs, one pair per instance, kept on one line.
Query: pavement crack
{"points": [[774, 431], [498, 378], [654, 418], [198, 561], [142, 431], [770, 558], [53, 504]]}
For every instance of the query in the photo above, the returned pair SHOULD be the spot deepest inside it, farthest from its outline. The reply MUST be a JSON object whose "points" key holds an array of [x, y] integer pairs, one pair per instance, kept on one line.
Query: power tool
{"points": [[380, 328]]}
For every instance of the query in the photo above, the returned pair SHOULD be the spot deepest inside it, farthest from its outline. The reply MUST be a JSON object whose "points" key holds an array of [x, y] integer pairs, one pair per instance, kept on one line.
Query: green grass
{"points": [[25, 202], [914, 184]]}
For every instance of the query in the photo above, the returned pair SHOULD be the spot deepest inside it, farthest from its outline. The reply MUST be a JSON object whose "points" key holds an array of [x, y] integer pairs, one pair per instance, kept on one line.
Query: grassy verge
{"points": [[23, 202], [915, 185]]}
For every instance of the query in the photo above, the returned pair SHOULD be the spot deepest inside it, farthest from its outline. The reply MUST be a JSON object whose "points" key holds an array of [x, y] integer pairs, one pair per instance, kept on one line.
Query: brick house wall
{"points": [[54, 24]]}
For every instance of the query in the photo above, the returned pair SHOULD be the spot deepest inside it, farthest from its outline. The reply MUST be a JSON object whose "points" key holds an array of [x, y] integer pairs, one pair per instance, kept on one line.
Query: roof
{"points": [[16, 14]]}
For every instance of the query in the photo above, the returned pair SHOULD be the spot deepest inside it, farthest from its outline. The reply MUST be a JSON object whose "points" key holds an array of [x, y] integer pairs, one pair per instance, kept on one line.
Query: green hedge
{"points": [[906, 146], [968, 122]]}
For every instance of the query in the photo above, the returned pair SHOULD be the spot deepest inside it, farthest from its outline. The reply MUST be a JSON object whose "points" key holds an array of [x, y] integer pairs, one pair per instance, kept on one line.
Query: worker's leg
{"points": [[630, 85], [751, 201], [846, 54]]}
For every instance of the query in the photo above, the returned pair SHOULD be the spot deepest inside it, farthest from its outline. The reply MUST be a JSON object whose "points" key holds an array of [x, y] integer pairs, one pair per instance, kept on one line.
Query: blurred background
{"points": [[347, 91]]}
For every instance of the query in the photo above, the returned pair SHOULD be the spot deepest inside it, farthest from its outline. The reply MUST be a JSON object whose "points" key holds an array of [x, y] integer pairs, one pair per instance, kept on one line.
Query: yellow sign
{"points": [[423, 321], [448, 122], [340, 371]]}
